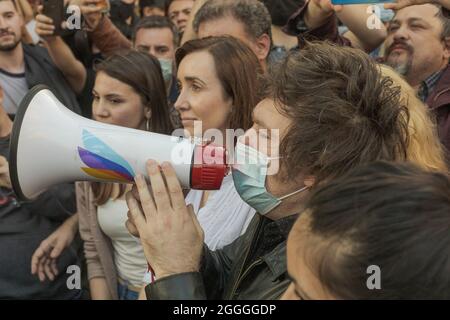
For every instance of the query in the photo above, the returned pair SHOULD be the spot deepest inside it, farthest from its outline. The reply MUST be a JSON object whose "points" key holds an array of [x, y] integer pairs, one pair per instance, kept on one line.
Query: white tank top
{"points": [[129, 257]]}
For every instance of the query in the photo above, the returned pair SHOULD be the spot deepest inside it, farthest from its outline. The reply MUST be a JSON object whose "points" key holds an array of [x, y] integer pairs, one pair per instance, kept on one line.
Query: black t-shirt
{"points": [[22, 228]]}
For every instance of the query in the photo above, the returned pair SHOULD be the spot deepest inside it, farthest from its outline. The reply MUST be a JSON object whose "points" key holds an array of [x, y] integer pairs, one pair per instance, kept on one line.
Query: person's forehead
{"points": [[424, 12], [302, 246], [295, 249], [155, 36], [152, 7], [7, 5], [179, 5], [266, 106], [291, 252], [296, 234], [106, 84], [198, 64], [267, 114], [224, 26]]}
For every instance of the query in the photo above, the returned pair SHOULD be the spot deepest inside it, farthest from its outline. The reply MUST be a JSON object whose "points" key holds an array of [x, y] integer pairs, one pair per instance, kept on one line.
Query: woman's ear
{"points": [[148, 113]]}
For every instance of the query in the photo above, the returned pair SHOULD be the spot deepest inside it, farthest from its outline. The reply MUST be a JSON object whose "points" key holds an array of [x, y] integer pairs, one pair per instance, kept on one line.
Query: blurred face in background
{"points": [[158, 42], [118, 103], [10, 26], [179, 12], [232, 27], [153, 11], [415, 47]]}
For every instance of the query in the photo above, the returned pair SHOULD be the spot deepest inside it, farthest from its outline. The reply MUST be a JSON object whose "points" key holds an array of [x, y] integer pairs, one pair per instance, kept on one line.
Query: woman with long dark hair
{"points": [[129, 91], [219, 82]]}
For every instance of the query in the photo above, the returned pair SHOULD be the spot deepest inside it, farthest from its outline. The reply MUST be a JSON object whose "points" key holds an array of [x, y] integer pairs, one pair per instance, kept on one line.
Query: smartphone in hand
{"points": [[54, 9]]}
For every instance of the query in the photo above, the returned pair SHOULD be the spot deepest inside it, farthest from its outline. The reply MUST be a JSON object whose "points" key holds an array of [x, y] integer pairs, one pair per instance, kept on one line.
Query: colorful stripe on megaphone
{"points": [[102, 161]]}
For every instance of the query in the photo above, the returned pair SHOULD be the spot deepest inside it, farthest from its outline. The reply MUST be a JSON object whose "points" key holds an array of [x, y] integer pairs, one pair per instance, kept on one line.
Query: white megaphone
{"points": [[50, 145]]}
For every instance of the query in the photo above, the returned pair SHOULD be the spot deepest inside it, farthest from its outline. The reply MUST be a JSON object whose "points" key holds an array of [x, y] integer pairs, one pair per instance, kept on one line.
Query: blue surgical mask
{"points": [[167, 70], [386, 15], [249, 176]]}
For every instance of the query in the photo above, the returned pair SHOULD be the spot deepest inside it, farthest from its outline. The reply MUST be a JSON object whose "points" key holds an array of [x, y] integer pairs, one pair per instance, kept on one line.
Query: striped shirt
{"points": [[428, 85]]}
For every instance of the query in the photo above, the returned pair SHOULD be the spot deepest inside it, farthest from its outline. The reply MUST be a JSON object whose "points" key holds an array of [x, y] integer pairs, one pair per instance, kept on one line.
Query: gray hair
{"points": [[253, 14]]}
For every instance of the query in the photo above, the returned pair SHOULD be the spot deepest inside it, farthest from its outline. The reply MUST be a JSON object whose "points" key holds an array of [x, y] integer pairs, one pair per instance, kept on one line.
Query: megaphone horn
{"points": [[51, 145]]}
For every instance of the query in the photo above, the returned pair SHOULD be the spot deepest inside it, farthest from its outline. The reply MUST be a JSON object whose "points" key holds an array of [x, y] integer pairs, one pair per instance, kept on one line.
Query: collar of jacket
{"points": [[441, 93], [276, 260]]}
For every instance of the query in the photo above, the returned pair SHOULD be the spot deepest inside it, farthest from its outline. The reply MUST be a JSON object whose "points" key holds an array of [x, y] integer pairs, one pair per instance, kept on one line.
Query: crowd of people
{"points": [[356, 116]]}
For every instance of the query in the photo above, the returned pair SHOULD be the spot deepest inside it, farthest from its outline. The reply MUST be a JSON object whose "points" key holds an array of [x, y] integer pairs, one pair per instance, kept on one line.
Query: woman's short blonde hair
{"points": [[424, 147]]}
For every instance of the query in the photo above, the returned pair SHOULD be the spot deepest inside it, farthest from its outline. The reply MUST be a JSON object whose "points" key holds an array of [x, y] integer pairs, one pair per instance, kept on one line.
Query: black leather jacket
{"points": [[232, 273]]}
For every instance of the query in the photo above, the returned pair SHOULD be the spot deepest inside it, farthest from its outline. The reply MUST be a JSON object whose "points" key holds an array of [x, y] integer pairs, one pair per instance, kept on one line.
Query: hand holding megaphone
{"points": [[51, 145], [170, 233]]}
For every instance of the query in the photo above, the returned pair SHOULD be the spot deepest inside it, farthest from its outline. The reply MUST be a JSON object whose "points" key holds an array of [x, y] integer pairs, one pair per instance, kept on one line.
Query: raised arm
{"points": [[26, 10], [72, 69], [399, 4], [103, 33], [366, 31], [318, 12]]}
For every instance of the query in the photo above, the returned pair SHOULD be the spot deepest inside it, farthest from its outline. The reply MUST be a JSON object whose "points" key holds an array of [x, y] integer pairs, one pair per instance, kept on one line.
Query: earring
{"points": [[147, 124]]}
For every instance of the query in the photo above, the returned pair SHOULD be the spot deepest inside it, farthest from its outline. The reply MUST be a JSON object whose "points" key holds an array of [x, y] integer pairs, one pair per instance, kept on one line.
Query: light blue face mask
{"points": [[386, 15], [167, 70], [249, 176]]}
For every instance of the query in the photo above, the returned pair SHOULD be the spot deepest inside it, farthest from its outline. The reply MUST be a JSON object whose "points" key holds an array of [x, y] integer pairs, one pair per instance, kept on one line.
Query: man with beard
{"points": [[417, 46], [24, 66]]}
